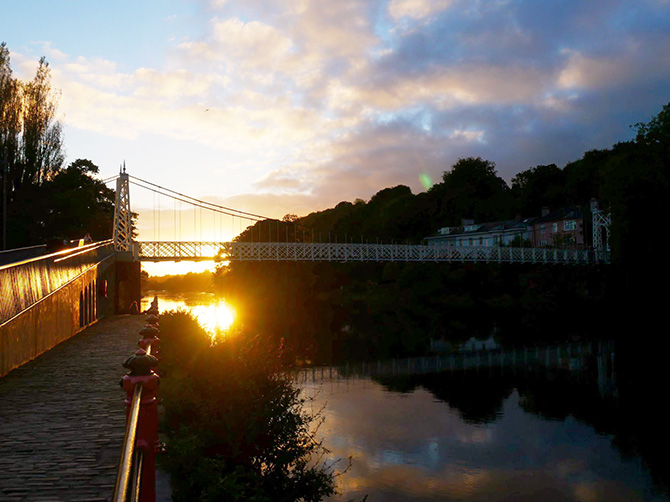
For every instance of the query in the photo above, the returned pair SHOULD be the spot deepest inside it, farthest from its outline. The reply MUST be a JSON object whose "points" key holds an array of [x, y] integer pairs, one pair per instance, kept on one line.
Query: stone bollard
{"points": [[140, 365], [150, 336], [152, 320]]}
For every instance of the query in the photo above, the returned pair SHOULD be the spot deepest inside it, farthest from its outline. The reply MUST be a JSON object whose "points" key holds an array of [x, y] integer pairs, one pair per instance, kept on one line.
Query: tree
{"points": [[30, 146], [29, 132], [41, 145], [68, 206], [472, 189], [10, 109], [538, 187], [79, 204], [656, 132]]}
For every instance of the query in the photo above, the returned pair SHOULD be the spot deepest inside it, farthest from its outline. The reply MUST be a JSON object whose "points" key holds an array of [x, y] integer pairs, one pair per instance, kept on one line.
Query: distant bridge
{"points": [[292, 251], [51, 297]]}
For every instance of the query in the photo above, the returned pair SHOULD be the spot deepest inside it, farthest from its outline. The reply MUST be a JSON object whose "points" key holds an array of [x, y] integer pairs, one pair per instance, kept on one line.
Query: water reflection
{"points": [[451, 436], [213, 313]]}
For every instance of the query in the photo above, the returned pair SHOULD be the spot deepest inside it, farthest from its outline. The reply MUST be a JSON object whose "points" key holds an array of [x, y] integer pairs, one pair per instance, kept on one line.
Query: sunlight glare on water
{"points": [[212, 312], [215, 317]]}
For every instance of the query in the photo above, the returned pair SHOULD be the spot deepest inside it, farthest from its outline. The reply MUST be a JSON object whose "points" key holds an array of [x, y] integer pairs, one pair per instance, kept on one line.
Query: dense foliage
{"points": [[236, 426], [332, 313], [45, 202], [190, 282]]}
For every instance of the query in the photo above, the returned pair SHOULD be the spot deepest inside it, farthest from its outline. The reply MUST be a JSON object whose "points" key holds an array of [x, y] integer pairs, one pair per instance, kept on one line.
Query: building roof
{"points": [[564, 213], [485, 228]]}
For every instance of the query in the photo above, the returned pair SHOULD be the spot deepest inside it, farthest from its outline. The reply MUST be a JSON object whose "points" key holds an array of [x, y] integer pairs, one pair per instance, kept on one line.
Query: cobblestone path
{"points": [[62, 417]]}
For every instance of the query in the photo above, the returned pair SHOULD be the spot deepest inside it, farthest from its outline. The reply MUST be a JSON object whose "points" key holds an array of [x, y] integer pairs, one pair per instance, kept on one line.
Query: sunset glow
{"points": [[216, 318], [214, 314], [281, 107]]}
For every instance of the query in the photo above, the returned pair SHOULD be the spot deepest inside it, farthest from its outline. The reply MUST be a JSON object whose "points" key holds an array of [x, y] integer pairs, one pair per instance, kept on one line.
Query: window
{"points": [[554, 227], [569, 225]]}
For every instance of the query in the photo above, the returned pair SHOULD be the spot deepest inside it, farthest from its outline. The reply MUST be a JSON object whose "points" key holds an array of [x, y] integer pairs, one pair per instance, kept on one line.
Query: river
{"points": [[486, 435]]}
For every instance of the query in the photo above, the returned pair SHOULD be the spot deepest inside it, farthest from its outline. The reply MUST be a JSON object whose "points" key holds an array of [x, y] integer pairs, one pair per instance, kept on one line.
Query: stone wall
{"points": [[58, 316]]}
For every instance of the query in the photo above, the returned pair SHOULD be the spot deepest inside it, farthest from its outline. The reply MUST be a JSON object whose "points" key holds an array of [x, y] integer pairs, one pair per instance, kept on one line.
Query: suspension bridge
{"points": [[46, 300], [73, 288], [272, 246]]}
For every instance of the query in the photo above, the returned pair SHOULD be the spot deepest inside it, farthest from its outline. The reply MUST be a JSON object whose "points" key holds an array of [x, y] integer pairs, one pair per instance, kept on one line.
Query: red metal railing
{"points": [[136, 476]]}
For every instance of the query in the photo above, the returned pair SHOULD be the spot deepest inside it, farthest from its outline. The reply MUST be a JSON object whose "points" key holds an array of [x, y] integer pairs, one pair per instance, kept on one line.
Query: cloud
{"points": [[416, 9], [635, 62], [322, 101], [251, 44]]}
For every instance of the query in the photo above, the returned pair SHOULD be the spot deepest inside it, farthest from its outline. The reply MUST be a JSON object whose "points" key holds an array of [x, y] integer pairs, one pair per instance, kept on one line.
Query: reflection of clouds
{"points": [[569, 467], [410, 446], [479, 435]]}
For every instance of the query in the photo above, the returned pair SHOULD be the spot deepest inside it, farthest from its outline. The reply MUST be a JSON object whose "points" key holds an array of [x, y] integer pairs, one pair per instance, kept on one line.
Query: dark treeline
{"points": [[46, 203], [190, 282], [331, 312]]}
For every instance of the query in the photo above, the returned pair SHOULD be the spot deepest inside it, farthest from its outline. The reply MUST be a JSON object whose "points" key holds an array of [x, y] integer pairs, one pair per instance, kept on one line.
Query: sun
{"points": [[216, 318]]}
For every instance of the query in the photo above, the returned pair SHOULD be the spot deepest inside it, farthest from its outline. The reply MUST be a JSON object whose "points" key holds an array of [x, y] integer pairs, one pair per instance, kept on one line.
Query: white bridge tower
{"points": [[123, 232], [601, 231]]}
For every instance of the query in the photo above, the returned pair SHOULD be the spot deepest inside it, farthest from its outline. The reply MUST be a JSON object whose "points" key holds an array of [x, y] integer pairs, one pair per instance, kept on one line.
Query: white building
{"points": [[497, 233]]}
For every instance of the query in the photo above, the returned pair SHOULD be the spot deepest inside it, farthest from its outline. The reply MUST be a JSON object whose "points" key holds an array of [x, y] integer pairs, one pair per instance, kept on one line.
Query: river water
{"points": [[486, 435], [212, 312]]}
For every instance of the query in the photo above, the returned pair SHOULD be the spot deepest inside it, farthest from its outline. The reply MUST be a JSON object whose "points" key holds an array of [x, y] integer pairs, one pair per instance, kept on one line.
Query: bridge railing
{"points": [[136, 475], [571, 357], [20, 254], [291, 251], [24, 283]]}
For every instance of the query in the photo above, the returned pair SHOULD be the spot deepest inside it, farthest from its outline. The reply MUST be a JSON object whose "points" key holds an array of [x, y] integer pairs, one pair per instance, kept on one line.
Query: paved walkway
{"points": [[62, 417]]}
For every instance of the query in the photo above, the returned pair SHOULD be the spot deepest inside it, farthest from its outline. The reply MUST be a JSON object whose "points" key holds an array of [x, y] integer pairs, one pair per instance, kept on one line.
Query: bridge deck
{"points": [[62, 417], [292, 251]]}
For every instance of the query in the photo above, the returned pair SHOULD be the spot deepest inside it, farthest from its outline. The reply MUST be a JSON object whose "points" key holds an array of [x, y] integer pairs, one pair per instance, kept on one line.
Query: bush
{"points": [[236, 425]]}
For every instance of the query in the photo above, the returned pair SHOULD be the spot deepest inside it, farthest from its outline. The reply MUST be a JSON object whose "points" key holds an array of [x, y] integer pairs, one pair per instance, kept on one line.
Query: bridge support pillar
{"points": [[128, 289]]}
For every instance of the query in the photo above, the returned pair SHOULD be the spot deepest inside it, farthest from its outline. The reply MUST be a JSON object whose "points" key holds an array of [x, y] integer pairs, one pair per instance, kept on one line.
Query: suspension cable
{"points": [[202, 204], [223, 208], [216, 208]]}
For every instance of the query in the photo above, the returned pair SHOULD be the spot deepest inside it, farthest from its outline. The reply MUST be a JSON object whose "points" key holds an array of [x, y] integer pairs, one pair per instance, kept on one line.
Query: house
{"points": [[497, 233], [562, 228]]}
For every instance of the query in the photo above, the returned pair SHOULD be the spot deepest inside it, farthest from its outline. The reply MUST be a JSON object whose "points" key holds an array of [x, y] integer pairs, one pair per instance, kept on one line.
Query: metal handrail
{"points": [[124, 474], [70, 251], [137, 478]]}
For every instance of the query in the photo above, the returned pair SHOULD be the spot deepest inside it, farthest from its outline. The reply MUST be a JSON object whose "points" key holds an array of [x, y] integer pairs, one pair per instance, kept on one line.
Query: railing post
{"points": [[141, 439], [141, 386]]}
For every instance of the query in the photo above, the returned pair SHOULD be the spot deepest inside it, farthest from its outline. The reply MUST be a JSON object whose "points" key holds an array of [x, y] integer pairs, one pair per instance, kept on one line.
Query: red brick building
{"points": [[563, 228]]}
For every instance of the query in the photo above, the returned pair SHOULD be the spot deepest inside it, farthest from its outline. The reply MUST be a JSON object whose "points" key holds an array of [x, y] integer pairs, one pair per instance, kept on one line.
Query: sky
{"points": [[291, 106]]}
